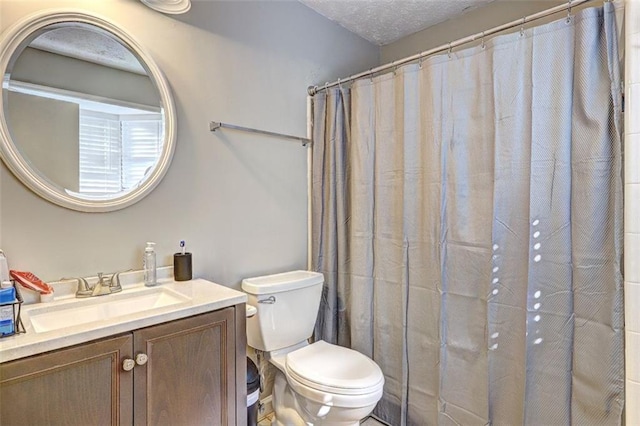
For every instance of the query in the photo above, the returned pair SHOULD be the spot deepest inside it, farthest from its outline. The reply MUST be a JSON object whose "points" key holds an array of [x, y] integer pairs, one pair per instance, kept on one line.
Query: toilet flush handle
{"points": [[269, 300]]}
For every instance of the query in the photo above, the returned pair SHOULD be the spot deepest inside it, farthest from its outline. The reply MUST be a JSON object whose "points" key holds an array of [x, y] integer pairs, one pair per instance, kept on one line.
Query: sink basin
{"points": [[83, 311]]}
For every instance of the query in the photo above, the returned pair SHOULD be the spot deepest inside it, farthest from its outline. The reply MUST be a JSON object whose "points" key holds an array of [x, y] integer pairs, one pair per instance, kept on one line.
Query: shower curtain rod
{"points": [[312, 90]]}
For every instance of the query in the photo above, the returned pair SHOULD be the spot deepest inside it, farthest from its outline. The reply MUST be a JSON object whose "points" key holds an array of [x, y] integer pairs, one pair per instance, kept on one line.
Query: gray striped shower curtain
{"points": [[467, 217]]}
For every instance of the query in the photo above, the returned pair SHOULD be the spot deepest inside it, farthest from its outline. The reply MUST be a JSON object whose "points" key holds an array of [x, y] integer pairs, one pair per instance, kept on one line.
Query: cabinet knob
{"points": [[141, 359], [128, 364]]}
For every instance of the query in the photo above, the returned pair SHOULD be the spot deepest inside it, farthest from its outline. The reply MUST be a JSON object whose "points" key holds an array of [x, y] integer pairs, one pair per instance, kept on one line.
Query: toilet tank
{"points": [[287, 306]]}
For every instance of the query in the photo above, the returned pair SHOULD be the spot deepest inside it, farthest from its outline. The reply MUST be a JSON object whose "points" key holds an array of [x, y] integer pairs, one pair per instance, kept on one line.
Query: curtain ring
{"points": [[482, 44], [420, 59], [371, 75], [569, 13], [326, 86], [449, 51], [524, 19]]}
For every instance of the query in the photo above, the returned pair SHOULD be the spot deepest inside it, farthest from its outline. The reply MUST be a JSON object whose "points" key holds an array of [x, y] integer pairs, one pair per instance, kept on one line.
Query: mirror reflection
{"points": [[83, 111]]}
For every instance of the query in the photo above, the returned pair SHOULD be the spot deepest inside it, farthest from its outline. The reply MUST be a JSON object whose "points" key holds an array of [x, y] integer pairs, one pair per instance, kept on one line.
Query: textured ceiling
{"points": [[88, 45], [385, 21]]}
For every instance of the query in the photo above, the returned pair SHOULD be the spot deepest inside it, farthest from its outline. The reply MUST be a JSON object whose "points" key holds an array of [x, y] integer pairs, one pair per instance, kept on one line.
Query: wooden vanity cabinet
{"points": [[187, 372], [190, 376], [82, 385]]}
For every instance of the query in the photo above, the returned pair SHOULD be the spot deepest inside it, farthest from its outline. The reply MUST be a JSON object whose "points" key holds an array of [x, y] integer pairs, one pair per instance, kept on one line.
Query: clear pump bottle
{"points": [[4, 268], [149, 262]]}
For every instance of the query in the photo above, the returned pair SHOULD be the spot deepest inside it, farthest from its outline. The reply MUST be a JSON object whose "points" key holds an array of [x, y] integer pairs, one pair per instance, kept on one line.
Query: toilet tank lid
{"points": [[275, 283]]}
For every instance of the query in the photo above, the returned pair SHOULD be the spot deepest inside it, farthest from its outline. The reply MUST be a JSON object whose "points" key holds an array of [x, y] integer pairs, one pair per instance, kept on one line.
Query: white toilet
{"points": [[315, 384]]}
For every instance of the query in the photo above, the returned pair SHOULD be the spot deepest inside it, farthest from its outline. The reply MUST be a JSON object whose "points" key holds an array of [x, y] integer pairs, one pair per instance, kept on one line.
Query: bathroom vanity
{"points": [[174, 354], [178, 364]]}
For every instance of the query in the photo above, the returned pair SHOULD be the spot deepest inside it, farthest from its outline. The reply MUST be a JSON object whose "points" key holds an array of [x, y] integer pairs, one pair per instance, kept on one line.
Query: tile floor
{"points": [[266, 421], [369, 421]]}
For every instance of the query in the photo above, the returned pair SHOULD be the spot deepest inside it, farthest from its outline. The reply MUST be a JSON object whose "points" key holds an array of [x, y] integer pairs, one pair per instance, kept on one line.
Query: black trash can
{"points": [[253, 393]]}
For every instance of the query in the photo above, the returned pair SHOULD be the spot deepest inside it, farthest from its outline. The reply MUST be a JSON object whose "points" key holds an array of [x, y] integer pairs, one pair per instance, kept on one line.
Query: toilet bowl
{"points": [[328, 384], [318, 383]]}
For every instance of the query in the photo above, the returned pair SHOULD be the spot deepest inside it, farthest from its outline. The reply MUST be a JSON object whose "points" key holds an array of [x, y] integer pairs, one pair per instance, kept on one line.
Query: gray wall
{"points": [[239, 200], [472, 22], [47, 132], [62, 72]]}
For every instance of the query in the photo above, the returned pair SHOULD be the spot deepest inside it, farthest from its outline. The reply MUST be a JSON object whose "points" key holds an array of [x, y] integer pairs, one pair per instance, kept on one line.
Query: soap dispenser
{"points": [[149, 262]]}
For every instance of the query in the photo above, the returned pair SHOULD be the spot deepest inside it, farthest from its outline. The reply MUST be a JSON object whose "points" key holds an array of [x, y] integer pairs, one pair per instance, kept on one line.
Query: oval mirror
{"points": [[87, 120]]}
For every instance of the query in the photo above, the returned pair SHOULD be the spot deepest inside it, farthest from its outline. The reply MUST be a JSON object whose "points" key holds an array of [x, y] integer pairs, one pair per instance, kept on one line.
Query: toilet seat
{"points": [[333, 369]]}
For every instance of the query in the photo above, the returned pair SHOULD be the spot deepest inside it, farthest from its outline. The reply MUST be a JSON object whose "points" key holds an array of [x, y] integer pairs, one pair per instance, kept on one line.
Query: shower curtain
{"points": [[467, 217]]}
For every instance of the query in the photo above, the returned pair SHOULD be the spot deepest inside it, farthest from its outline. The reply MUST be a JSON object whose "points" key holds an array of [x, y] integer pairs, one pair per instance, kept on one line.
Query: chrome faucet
{"points": [[101, 288]]}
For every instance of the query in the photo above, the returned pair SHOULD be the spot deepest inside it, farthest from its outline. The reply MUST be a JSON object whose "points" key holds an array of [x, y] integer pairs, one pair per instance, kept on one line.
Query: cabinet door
{"points": [[189, 378], [82, 385]]}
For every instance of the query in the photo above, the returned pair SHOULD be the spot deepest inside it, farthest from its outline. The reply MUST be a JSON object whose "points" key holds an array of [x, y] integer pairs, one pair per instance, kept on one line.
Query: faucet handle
{"points": [[115, 282], [84, 290]]}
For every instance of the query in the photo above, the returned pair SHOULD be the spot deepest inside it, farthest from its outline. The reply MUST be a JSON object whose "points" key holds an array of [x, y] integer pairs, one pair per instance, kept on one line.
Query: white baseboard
{"points": [[265, 407]]}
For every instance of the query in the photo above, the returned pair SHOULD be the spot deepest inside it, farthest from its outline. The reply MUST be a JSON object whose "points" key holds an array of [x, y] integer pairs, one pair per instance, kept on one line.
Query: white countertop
{"points": [[201, 296]]}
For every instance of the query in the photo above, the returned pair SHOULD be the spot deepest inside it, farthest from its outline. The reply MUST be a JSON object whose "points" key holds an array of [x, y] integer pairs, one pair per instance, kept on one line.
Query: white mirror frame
{"points": [[11, 40]]}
